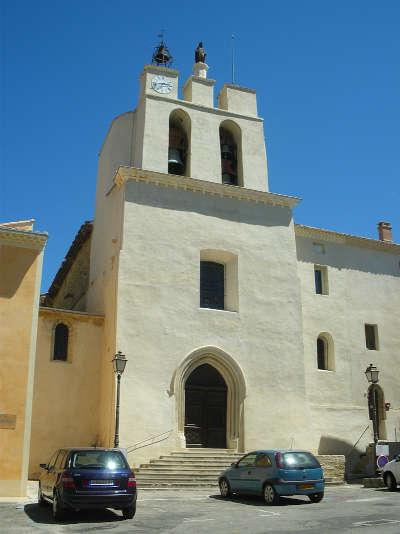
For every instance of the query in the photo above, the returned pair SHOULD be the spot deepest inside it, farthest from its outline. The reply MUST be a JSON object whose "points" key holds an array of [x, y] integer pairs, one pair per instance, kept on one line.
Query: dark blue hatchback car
{"points": [[274, 473], [84, 478]]}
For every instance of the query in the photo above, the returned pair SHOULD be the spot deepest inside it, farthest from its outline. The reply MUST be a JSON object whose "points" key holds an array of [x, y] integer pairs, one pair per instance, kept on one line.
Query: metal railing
{"points": [[356, 443], [152, 440]]}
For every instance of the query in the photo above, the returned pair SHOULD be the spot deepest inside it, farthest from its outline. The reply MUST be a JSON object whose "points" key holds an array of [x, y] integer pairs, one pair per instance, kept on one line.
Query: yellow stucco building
{"points": [[21, 254]]}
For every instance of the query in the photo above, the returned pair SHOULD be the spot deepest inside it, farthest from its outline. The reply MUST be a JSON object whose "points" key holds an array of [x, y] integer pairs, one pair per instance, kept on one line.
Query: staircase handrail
{"points": [[152, 439], [355, 444]]}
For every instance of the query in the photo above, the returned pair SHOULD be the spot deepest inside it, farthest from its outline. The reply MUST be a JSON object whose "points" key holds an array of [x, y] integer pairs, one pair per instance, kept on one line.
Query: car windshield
{"points": [[298, 460], [98, 460]]}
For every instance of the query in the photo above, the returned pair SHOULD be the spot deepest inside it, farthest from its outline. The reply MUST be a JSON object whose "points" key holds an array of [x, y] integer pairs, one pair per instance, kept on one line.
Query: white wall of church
{"points": [[105, 245], [160, 322], [364, 288], [145, 260]]}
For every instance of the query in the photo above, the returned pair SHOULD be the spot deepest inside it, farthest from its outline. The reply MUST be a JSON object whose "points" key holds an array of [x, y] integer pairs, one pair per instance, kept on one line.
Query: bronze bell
{"points": [[161, 55], [175, 162], [226, 151]]}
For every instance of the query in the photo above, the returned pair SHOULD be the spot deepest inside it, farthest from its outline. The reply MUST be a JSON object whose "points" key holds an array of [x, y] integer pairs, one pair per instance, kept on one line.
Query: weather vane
{"points": [[161, 54]]}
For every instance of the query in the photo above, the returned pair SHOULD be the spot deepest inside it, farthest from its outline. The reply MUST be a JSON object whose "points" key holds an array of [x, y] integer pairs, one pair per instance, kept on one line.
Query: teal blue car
{"points": [[273, 474]]}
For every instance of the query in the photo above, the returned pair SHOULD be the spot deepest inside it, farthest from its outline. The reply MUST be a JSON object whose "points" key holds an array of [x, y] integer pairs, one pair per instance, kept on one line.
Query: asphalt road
{"points": [[344, 509]]}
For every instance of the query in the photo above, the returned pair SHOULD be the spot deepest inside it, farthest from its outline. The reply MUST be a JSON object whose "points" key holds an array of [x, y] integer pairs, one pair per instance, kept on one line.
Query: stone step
{"points": [[159, 484], [201, 450], [205, 452], [199, 458], [212, 477], [182, 465], [189, 469], [177, 485]]}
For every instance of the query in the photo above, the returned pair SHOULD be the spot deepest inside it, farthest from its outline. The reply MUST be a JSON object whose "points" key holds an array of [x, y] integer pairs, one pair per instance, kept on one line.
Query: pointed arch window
{"points": [[178, 146], [61, 335]]}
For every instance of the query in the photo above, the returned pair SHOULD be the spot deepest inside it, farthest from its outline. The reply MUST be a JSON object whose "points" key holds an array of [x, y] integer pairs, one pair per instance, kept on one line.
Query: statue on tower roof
{"points": [[200, 54], [161, 54]]}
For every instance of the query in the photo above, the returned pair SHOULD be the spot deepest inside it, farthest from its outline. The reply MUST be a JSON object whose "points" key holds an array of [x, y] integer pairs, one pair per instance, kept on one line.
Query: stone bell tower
{"points": [[229, 130], [182, 207]]}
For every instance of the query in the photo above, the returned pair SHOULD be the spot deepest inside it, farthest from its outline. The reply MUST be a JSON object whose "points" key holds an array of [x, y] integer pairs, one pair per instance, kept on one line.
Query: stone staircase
{"points": [[200, 468], [187, 469]]}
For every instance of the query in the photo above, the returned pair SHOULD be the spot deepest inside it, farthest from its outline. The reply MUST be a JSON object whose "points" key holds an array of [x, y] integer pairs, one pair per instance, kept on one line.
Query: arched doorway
{"points": [[205, 408], [233, 377]]}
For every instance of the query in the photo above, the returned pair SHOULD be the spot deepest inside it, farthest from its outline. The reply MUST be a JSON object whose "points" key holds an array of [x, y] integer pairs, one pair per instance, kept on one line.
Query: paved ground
{"points": [[344, 509]]}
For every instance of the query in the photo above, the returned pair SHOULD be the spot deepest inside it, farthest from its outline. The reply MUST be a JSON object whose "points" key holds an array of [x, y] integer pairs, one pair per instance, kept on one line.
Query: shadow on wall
{"points": [[15, 263], [225, 208], [349, 256], [355, 458]]}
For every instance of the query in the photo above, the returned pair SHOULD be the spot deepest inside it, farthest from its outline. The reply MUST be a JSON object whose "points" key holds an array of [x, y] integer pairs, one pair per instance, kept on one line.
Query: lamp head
{"points": [[372, 374], [119, 362]]}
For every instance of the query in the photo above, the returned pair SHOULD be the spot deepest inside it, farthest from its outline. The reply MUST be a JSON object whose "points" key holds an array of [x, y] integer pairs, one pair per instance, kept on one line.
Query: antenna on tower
{"points": [[233, 57]]}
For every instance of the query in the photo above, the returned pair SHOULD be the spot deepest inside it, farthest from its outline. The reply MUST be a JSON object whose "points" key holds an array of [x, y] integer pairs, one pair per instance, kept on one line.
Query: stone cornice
{"points": [[71, 314], [239, 88], [346, 239], [217, 111], [21, 238], [197, 79], [156, 69], [124, 174]]}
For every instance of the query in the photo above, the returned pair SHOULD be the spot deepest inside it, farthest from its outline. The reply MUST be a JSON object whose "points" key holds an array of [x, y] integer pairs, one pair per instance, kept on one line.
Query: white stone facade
{"points": [[151, 231]]}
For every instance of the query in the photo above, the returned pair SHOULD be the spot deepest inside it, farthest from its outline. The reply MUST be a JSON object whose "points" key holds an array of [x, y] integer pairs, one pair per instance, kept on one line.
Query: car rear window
{"points": [[98, 460], [296, 460]]}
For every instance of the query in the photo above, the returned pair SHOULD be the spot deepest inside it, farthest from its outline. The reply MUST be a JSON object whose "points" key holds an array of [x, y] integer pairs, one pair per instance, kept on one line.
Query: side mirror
{"points": [[43, 466], [234, 464], [397, 458]]}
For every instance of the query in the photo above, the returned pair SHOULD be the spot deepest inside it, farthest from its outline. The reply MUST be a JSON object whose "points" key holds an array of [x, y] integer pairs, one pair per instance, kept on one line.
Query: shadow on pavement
{"points": [[386, 490], [258, 501], [43, 514]]}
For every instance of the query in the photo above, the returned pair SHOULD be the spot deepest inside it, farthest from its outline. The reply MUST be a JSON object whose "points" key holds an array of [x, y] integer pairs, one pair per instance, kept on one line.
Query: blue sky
{"points": [[327, 77]]}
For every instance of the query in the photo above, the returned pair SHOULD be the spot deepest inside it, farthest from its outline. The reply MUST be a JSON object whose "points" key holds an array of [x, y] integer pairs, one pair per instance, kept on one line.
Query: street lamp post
{"points": [[119, 362], [372, 375]]}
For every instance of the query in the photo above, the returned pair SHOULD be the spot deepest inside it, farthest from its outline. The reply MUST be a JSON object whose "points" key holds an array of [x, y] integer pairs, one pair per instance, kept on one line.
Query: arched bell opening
{"points": [[178, 147], [231, 153], [205, 408]]}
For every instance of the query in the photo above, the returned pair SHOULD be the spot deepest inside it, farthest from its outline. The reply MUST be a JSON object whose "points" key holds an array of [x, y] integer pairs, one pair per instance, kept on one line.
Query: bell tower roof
{"points": [[161, 54]]}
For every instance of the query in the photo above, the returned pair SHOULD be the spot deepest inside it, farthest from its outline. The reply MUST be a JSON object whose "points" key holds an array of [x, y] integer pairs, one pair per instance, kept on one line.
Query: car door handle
{"points": [[249, 472]]}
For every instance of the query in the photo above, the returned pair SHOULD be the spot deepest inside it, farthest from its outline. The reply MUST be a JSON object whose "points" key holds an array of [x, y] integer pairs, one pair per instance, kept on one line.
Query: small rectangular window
{"points": [[212, 285], [321, 280], [371, 336]]}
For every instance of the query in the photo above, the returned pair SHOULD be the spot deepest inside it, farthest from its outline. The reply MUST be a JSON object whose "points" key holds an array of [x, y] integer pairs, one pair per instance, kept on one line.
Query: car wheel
{"points": [[390, 481], [316, 497], [270, 495], [224, 488], [58, 510], [129, 512]]}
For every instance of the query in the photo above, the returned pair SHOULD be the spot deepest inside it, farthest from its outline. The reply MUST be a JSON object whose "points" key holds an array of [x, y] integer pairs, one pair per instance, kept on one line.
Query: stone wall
{"points": [[333, 466]]}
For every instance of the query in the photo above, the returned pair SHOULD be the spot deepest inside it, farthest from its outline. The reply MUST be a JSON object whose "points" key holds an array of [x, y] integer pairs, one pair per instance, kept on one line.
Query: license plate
{"points": [[306, 486], [102, 482]]}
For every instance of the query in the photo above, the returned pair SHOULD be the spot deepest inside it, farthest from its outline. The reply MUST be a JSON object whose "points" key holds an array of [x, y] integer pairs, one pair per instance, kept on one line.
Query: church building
{"points": [[241, 329]]}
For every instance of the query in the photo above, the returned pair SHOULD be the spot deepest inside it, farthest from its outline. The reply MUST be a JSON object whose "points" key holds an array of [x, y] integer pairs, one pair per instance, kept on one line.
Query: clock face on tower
{"points": [[161, 84]]}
